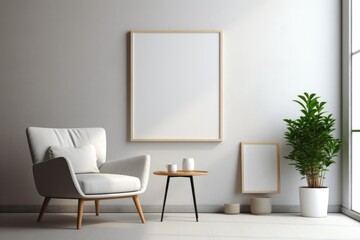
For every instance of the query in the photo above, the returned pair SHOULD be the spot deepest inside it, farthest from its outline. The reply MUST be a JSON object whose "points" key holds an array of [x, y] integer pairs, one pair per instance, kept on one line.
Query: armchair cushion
{"points": [[104, 183], [83, 159]]}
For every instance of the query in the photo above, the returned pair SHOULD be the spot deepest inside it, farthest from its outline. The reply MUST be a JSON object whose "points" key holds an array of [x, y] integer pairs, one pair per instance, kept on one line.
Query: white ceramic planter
{"points": [[314, 201]]}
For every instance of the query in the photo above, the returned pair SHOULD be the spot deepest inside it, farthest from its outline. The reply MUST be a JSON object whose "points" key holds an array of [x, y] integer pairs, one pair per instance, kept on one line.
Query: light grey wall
{"points": [[63, 63]]}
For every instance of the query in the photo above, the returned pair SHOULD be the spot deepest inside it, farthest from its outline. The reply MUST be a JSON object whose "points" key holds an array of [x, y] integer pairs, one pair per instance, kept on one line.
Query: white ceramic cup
{"points": [[188, 164], [171, 167]]}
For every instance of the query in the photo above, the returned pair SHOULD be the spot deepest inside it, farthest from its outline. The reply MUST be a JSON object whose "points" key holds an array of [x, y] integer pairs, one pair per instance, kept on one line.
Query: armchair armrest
{"points": [[135, 166], [56, 178]]}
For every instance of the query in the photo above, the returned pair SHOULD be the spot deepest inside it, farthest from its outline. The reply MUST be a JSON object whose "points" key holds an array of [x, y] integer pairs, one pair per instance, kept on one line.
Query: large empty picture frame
{"points": [[260, 166], [176, 86]]}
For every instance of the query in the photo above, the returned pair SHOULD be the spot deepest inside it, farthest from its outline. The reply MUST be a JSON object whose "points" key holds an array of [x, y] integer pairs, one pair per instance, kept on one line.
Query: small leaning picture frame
{"points": [[260, 167]]}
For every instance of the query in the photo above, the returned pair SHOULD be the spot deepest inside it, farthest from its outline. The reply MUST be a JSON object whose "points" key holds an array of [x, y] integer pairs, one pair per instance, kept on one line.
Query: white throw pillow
{"points": [[83, 159]]}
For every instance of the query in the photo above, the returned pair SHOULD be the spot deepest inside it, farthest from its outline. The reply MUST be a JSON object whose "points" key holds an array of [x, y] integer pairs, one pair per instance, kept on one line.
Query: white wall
{"points": [[64, 63]]}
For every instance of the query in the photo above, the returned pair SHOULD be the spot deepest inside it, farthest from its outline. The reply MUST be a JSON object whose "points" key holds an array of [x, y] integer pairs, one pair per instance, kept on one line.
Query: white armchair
{"points": [[58, 174]]}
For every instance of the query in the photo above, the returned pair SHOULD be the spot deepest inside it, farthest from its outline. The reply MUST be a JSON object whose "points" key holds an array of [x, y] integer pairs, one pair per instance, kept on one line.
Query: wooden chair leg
{"points": [[43, 207], [138, 207], [80, 212], [97, 207]]}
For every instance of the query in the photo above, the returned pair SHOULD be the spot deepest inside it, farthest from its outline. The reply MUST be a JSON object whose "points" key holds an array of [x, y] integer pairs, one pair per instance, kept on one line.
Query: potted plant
{"points": [[313, 149]]}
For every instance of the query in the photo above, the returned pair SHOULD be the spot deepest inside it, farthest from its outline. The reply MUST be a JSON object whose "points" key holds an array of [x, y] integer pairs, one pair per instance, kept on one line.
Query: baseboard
{"points": [[149, 208]]}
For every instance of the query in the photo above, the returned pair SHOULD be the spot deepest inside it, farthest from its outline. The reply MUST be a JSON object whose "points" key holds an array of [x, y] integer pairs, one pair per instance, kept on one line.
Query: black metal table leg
{"points": [[194, 198], [166, 190]]}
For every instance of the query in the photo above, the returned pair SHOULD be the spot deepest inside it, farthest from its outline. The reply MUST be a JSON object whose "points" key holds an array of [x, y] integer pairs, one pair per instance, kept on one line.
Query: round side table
{"points": [[187, 174]]}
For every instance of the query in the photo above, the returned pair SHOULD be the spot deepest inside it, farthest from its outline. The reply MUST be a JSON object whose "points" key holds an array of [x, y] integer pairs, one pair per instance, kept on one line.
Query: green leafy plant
{"points": [[312, 141]]}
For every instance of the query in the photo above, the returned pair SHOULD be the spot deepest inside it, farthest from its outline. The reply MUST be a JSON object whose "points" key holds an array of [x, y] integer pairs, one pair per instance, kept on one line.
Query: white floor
{"points": [[177, 226]]}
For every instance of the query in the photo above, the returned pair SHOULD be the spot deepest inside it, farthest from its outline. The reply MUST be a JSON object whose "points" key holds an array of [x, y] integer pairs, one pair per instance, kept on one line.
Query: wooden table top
{"points": [[181, 173]]}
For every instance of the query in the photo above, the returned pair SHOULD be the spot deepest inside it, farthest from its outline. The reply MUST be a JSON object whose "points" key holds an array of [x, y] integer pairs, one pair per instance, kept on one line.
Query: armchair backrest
{"points": [[40, 139]]}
